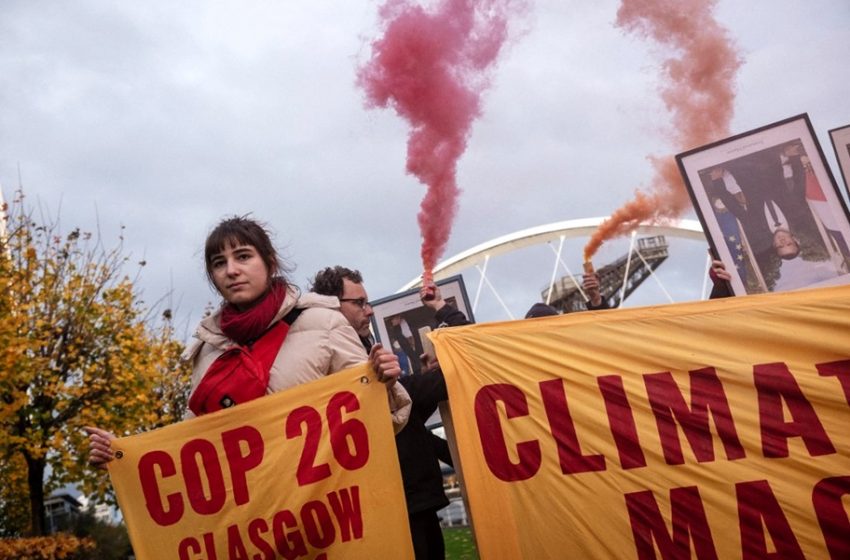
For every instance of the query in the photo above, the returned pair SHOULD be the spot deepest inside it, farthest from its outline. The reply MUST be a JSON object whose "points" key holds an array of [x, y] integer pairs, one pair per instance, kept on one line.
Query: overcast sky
{"points": [[165, 117]]}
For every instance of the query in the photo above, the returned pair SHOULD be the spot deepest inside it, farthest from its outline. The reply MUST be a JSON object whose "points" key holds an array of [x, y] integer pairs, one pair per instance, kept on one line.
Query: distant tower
{"points": [[649, 253]]}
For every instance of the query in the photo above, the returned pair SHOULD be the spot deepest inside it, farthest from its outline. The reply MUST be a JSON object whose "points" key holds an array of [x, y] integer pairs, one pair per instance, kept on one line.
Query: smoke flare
{"points": [[699, 93], [432, 67]]}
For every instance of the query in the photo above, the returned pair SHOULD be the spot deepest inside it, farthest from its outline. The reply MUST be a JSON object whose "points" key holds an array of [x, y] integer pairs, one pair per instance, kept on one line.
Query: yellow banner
{"points": [[716, 429], [311, 472]]}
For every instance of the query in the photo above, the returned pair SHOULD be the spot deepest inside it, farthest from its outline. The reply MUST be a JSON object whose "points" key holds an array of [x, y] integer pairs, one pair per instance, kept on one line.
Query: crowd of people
{"points": [[266, 324]]}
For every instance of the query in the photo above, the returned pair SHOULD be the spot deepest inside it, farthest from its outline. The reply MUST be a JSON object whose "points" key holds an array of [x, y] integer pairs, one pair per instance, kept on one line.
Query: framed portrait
{"points": [[841, 144], [401, 321], [770, 208]]}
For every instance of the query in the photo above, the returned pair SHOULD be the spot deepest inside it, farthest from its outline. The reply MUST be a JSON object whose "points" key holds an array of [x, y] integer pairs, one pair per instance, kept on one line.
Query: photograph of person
{"points": [[408, 335], [768, 214], [402, 322], [840, 138]]}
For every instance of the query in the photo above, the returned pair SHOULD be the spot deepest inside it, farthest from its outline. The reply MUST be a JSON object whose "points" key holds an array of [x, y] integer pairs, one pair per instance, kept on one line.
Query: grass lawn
{"points": [[459, 544]]}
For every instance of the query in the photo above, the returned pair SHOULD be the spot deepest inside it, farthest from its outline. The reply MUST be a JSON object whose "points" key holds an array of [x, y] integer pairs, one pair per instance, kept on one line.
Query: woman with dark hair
{"points": [[297, 338]]}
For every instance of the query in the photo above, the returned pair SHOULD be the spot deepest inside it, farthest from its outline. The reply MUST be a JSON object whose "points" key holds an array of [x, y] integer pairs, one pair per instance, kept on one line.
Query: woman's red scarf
{"points": [[246, 326]]}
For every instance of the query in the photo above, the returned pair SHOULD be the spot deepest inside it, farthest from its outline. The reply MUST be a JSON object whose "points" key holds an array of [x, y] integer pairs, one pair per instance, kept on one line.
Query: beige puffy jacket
{"points": [[319, 342]]}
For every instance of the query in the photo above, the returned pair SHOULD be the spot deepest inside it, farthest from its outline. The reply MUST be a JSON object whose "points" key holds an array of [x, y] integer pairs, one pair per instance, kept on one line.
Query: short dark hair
{"points": [[328, 281], [242, 230], [787, 257], [541, 310]]}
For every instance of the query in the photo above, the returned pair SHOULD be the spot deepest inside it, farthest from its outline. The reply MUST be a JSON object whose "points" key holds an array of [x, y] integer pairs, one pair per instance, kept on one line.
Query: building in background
{"points": [[60, 510]]}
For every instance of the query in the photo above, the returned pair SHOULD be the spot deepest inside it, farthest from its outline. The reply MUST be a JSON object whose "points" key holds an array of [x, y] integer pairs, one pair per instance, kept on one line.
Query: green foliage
{"points": [[14, 503], [459, 544], [111, 542], [75, 350]]}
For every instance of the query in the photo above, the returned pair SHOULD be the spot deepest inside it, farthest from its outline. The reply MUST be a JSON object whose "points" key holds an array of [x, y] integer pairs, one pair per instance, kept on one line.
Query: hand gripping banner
{"points": [[311, 472], [706, 430]]}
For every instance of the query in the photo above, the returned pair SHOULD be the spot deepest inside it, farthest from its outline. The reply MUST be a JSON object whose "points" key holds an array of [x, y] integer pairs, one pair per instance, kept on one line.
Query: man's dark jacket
{"points": [[418, 448]]}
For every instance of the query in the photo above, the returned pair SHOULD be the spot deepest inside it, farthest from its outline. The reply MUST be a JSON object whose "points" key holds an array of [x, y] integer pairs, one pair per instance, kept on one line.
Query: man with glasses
{"points": [[347, 286], [418, 448]]}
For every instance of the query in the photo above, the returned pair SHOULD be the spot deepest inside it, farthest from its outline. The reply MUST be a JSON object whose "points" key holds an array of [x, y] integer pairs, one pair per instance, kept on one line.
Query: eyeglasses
{"points": [[359, 302]]}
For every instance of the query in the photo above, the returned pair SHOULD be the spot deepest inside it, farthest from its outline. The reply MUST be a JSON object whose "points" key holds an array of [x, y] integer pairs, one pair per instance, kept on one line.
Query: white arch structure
{"points": [[585, 227]]}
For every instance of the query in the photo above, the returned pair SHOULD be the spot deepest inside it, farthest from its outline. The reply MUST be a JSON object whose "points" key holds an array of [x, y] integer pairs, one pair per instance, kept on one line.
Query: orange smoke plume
{"points": [[698, 91]]}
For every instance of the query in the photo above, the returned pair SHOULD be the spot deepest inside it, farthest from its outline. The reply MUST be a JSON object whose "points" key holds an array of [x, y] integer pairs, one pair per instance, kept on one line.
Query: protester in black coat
{"points": [[419, 450]]}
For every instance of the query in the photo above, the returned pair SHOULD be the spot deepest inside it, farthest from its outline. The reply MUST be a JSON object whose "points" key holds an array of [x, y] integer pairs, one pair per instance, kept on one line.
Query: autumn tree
{"points": [[77, 347], [14, 504]]}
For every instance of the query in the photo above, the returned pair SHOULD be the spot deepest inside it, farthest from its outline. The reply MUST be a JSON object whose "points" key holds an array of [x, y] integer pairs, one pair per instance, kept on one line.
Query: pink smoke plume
{"points": [[431, 67], [699, 93]]}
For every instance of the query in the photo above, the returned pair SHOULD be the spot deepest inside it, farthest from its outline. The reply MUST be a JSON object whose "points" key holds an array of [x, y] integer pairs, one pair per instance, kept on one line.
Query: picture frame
{"points": [[401, 321], [840, 138], [770, 208]]}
